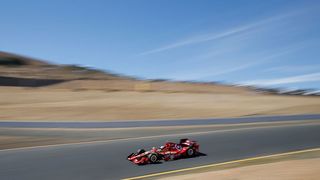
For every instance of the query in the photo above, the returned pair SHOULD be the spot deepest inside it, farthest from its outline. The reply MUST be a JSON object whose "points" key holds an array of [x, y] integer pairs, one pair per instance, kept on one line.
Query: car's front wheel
{"points": [[153, 158]]}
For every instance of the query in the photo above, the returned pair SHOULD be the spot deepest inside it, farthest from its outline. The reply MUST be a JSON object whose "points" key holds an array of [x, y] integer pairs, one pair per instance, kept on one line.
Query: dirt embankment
{"points": [[296, 165], [306, 169], [47, 104]]}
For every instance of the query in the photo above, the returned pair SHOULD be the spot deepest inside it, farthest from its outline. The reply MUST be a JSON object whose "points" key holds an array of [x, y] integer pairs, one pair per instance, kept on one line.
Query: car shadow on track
{"points": [[199, 154]]}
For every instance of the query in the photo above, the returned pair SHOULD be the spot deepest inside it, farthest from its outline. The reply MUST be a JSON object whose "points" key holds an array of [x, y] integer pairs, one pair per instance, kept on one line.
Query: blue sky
{"points": [[274, 43]]}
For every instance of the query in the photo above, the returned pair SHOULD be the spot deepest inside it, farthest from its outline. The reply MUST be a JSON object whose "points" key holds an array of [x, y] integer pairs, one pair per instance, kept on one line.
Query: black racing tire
{"points": [[190, 152], [153, 158]]}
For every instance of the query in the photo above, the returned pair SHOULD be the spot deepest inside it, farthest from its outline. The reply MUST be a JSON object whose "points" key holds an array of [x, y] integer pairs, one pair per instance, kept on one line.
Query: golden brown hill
{"points": [[18, 66], [35, 90], [16, 70]]}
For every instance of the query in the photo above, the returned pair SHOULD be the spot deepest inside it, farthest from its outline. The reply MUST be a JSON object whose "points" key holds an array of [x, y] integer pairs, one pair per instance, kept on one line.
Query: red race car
{"points": [[170, 151]]}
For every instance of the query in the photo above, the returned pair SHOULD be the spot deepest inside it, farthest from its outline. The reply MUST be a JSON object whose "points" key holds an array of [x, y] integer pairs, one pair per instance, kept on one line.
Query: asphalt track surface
{"points": [[107, 160], [157, 123]]}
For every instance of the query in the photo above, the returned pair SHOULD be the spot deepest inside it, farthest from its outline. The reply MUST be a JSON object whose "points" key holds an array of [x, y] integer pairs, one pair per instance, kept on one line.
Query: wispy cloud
{"points": [[287, 80], [215, 36], [256, 60], [205, 73], [300, 68]]}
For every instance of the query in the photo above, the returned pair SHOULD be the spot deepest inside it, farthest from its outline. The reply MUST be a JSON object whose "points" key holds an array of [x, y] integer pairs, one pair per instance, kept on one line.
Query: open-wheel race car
{"points": [[169, 151]]}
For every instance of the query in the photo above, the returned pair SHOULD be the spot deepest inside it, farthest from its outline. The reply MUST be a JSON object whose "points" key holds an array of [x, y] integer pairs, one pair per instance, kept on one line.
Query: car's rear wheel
{"points": [[153, 158], [190, 152]]}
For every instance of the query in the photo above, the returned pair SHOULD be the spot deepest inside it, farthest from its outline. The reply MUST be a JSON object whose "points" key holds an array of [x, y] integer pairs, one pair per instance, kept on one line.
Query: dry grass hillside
{"points": [[13, 65], [35, 90]]}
